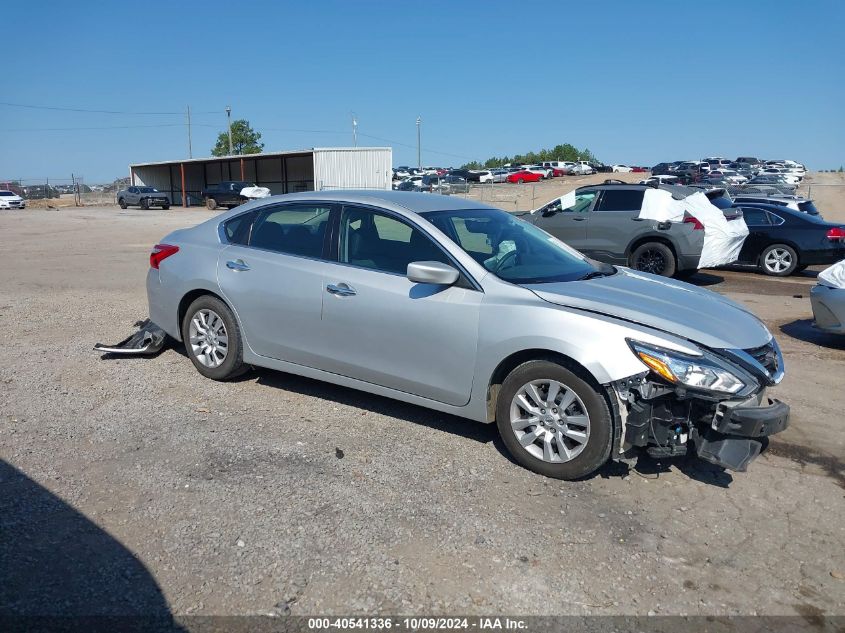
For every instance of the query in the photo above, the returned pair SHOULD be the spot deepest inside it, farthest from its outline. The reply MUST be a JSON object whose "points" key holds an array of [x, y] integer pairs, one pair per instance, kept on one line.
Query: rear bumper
{"points": [[688, 262]]}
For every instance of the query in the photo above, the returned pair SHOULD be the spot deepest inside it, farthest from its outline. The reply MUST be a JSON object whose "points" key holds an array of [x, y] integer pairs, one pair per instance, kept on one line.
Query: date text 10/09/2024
{"points": [[418, 623]]}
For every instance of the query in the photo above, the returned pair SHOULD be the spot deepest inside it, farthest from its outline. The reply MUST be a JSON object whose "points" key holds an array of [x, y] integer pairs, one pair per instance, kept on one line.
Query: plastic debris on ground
{"points": [[149, 339]]}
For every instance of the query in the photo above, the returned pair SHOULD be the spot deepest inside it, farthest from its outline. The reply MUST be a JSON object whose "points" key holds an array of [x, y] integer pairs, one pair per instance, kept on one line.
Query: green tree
{"points": [[245, 140]]}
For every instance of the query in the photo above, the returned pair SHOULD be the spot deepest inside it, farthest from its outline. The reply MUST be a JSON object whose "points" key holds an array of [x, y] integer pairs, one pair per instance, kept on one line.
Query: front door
{"points": [[614, 223], [569, 225], [274, 280], [381, 328]]}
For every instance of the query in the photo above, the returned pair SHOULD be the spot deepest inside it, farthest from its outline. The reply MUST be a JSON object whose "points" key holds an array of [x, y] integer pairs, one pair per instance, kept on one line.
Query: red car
{"points": [[524, 176]]}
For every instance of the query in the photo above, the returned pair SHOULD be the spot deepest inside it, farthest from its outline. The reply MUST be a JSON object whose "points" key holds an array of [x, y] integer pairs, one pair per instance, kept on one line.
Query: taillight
{"points": [[696, 225], [160, 253], [836, 233]]}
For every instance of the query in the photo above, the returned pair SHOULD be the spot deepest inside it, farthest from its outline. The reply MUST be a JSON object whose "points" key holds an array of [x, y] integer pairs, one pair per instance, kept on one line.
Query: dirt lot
{"points": [[136, 485]]}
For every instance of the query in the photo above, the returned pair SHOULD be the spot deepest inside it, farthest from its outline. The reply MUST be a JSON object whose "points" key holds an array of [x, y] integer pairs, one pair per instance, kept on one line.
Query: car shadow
{"points": [[60, 571], [704, 279], [803, 330], [651, 468], [483, 433]]}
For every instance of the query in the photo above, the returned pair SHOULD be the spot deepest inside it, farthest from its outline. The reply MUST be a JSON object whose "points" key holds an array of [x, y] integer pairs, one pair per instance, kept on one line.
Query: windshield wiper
{"points": [[605, 271]]}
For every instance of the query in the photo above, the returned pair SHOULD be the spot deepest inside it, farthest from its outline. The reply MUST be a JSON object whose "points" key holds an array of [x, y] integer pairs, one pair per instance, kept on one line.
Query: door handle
{"points": [[340, 290], [579, 219], [237, 265]]}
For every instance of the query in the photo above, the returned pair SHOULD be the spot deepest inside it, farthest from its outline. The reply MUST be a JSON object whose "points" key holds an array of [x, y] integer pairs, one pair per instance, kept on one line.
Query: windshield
{"points": [[510, 248], [147, 190], [7, 193]]}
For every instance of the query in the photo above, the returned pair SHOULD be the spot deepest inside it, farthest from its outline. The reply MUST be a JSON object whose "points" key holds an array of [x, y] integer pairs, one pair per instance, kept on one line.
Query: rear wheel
{"points": [[165, 206], [122, 203], [553, 421], [655, 258], [779, 260], [213, 339], [211, 204]]}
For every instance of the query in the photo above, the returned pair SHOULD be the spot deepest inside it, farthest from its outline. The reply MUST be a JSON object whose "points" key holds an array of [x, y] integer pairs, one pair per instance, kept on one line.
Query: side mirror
{"points": [[432, 273]]}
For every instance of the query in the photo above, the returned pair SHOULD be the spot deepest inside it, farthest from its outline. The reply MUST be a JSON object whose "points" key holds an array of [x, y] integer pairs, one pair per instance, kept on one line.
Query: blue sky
{"points": [[635, 82]]}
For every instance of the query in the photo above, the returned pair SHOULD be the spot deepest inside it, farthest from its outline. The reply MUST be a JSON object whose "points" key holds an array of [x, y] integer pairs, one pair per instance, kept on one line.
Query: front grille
{"points": [[766, 356]]}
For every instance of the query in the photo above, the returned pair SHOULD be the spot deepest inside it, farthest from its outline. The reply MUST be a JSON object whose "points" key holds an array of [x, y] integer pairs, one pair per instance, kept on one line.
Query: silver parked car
{"points": [[462, 308]]}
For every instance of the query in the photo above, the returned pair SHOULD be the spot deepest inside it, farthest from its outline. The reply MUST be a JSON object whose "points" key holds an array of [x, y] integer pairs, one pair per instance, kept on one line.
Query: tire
{"points": [[207, 310], [211, 204], [778, 260], [122, 203], [519, 181], [655, 258], [544, 456], [145, 204], [165, 207]]}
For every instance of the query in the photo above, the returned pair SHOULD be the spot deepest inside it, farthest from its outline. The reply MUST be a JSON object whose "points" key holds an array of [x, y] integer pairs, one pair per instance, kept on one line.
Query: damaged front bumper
{"points": [[665, 422], [149, 339]]}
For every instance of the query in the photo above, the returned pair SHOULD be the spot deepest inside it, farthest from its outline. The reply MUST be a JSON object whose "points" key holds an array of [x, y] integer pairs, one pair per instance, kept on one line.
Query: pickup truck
{"points": [[225, 194], [145, 197]]}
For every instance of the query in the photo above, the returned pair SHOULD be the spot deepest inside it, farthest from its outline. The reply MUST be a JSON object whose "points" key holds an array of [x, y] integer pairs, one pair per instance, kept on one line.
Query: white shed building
{"points": [[282, 172]]}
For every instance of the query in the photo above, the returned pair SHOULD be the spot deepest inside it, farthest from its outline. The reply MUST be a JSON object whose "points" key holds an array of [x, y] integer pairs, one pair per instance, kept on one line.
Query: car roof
{"points": [[415, 202]]}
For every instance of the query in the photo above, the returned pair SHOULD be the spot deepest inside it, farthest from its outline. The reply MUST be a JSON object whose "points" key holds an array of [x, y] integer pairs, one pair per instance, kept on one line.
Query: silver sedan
{"points": [[462, 308]]}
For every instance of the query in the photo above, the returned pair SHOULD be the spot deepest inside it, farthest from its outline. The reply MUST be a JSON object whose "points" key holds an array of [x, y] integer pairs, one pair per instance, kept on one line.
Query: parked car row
{"points": [[743, 170]]}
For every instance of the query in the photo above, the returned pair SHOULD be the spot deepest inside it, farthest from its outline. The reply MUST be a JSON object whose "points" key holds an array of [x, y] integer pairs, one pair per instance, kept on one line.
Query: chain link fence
{"points": [[63, 192]]}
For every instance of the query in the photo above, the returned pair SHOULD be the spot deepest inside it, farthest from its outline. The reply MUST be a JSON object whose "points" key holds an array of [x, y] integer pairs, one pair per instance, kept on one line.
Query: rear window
{"points": [[755, 217], [621, 200]]}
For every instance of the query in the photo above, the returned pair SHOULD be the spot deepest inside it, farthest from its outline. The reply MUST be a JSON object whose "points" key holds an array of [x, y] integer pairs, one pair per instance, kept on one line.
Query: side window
{"points": [[755, 217], [237, 229], [381, 242], [292, 229], [583, 200], [621, 200]]}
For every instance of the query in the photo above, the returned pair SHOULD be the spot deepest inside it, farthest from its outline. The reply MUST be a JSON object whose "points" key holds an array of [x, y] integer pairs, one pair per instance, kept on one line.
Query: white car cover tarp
{"points": [[722, 239], [833, 276], [255, 192]]}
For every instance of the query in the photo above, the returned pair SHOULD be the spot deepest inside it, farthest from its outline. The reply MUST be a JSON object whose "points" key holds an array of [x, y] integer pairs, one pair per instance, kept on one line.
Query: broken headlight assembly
{"points": [[705, 372]]}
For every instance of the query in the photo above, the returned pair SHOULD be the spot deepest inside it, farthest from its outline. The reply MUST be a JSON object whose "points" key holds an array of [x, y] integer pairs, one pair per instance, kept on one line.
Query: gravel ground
{"points": [[137, 486]]}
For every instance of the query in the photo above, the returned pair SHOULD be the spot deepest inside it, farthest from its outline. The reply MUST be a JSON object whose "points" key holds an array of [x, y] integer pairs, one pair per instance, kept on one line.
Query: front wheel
{"points": [[213, 339], [519, 181], [122, 203], [211, 204], [553, 421], [655, 258], [779, 260], [165, 207], [145, 204]]}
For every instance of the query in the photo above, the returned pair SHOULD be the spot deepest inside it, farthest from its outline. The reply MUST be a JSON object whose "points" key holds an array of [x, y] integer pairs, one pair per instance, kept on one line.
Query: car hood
{"points": [[675, 307]]}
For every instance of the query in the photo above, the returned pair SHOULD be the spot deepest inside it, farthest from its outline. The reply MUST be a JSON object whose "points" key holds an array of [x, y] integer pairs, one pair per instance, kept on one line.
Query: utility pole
{"points": [[354, 130], [419, 155], [190, 147], [229, 122]]}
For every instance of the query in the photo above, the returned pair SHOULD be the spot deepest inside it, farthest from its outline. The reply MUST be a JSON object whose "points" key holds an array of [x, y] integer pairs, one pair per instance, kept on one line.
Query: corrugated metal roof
{"points": [[293, 152]]}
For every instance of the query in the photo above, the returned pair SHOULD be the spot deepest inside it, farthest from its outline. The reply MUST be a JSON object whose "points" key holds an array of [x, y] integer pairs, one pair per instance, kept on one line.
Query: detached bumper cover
{"points": [[149, 339], [737, 436]]}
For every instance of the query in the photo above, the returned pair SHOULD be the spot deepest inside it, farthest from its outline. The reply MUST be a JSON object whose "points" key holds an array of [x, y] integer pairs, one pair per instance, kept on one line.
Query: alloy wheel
{"points": [[651, 261], [550, 421], [778, 260], [208, 338]]}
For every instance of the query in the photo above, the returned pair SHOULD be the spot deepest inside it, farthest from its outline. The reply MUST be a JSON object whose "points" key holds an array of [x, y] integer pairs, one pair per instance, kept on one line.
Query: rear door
{"points": [[759, 224], [272, 274], [614, 223]]}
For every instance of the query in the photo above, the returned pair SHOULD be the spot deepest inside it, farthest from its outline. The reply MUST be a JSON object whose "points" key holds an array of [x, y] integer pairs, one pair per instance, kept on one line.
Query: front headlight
{"points": [[696, 372]]}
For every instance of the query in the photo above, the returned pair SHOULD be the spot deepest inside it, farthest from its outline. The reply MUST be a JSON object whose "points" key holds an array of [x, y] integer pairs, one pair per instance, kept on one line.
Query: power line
{"points": [[109, 127], [61, 109]]}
